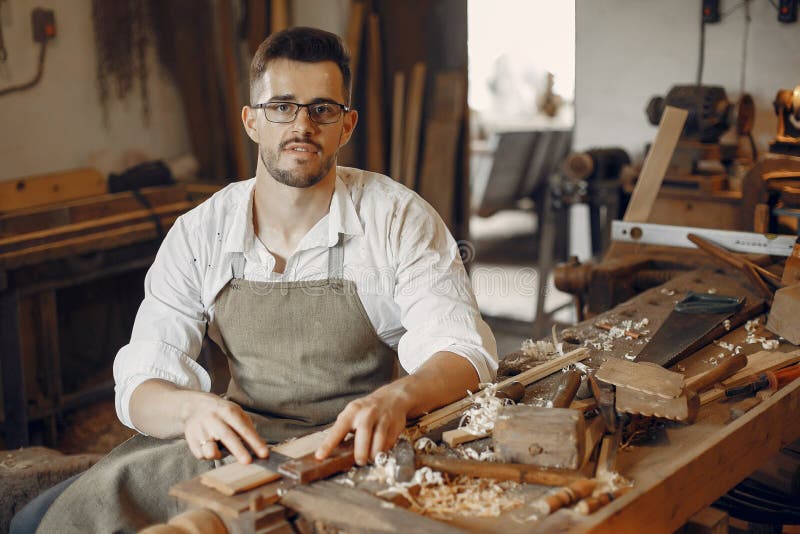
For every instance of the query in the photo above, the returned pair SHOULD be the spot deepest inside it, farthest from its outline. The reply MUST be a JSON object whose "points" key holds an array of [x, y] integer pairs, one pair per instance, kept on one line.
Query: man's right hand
{"points": [[163, 410], [214, 420]]}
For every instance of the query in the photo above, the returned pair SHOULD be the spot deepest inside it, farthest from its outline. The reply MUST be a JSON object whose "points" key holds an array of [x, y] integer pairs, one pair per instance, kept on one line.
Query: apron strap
{"points": [[237, 266], [336, 260]]}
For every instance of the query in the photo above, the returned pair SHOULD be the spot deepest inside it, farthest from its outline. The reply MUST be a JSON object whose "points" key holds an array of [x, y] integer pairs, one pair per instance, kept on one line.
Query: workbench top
{"points": [[680, 472]]}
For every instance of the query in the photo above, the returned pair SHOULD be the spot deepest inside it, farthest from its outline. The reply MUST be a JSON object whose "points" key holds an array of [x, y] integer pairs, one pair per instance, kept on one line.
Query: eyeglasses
{"points": [[319, 112]]}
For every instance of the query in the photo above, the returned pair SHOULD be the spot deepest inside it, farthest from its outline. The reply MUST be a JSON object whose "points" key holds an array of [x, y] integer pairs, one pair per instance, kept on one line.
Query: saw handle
{"points": [[727, 368]]}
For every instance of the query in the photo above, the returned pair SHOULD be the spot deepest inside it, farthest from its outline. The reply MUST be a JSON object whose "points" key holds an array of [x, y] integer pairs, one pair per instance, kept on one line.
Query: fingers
{"points": [[241, 423], [229, 425], [337, 433]]}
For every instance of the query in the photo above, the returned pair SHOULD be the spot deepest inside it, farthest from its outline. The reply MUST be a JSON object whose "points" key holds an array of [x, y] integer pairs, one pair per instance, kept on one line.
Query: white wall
{"points": [[59, 123], [630, 50]]}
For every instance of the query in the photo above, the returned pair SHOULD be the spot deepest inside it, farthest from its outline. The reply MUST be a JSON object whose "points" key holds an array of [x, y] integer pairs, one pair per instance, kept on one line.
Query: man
{"points": [[307, 276]]}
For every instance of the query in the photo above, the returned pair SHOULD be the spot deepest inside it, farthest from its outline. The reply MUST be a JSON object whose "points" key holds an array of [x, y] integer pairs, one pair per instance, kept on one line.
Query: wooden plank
{"points": [[398, 104], [353, 35], [655, 165], [650, 379], [235, 477], [81, 245], [352, 510], [97, 207], [27, 240], [51, 188], [416, 93], [376, 145], [230, 84], [437, 181], [457, 436]]}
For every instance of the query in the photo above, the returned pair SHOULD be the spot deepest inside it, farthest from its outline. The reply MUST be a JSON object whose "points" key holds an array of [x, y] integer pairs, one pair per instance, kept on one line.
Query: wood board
{"points": [[51, 188], [655, 165]]}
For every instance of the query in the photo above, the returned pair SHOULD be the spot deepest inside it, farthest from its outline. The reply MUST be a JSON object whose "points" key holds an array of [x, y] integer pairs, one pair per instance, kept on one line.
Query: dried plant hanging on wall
{"points": [[122, 32]]}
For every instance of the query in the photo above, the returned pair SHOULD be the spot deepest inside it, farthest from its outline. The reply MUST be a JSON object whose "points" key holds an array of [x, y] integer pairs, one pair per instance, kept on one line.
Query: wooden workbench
{"points": [[682, 471]]}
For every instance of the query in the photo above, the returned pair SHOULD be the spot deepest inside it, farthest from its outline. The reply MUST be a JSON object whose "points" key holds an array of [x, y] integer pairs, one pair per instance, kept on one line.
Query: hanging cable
{"points": [[35, 80], [744, 45], [702, 51]]}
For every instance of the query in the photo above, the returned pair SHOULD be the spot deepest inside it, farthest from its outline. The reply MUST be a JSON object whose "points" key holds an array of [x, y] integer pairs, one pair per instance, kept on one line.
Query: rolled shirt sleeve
{"points": [[437, 306], [170, 324]]}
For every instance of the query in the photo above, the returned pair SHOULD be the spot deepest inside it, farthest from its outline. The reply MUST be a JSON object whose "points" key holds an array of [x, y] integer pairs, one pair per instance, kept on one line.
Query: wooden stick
{"points": [[730, 258], [398, 102], [655, 165], [443, 415], [592, 504], [568, 496], [499, 471], [607, 327], [757, 363]]}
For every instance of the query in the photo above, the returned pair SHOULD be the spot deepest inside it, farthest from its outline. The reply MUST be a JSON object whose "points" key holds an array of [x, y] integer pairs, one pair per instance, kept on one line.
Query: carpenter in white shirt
{"points": [[397, 250]]}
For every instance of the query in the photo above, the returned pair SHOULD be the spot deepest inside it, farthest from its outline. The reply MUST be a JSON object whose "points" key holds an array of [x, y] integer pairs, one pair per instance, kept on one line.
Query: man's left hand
{"points": [[377, 420]]}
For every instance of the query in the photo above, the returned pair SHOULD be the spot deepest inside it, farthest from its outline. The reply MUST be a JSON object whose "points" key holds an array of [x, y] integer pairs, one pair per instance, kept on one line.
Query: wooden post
{"points": [[416, 91], [376, 160], [398, 104]]}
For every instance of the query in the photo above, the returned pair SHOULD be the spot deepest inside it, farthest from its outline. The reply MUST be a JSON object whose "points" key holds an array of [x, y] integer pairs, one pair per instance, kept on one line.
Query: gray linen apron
{"points": [[298, 353]]}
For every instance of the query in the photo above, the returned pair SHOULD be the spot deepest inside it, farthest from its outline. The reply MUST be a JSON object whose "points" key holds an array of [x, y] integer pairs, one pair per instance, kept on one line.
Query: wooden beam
{"points": [[416, 93], [376, 145], [398, 105], [437, 181], [230, 83], [51, 188], [655, 165]]}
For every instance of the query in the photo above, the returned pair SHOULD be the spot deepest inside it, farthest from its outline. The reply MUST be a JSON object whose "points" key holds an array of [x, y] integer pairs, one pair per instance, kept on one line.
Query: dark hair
{"points": [[310, 45]]}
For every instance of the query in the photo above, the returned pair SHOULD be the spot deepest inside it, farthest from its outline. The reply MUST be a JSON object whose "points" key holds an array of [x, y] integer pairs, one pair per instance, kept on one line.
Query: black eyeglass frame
{"points": [[308, 106]]}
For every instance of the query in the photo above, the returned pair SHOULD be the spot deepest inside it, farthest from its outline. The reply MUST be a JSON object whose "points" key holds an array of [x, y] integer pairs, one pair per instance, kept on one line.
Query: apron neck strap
{"points": [[237, 266], [336, 260]]}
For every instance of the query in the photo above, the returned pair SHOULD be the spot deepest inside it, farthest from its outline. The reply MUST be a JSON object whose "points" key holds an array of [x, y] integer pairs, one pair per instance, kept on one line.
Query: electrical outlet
{"points": [[44, 24], [710, 11], [787, 11]]}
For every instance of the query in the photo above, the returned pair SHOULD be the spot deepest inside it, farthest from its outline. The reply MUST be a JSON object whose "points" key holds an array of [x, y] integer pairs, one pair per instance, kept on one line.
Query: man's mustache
{"points": [[299, 140]]}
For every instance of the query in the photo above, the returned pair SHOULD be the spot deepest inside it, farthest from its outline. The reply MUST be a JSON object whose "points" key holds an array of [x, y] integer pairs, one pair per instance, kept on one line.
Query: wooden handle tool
{"points": [[592, 504], [567, 496], [567, 389], [728, 367], [499, 471]]}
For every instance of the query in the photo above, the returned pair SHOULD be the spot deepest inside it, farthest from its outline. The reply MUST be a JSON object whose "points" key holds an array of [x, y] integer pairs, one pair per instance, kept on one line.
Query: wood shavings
{"points": [[752, 327], [479, 418], [668, 292], [428, 446], [712, 290], [628, 330], [539, 351], [464, 496], [727, 324]]}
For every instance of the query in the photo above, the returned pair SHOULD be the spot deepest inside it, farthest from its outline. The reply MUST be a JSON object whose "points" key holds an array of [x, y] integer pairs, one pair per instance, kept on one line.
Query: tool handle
{"points": [[784, 376], [723, 370], [498, 470], [567, 388], [513, 391]]}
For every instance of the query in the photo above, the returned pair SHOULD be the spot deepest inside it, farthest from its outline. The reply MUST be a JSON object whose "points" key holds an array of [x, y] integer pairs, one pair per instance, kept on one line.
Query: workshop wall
{"points": [[59, 123], [630, 50]]}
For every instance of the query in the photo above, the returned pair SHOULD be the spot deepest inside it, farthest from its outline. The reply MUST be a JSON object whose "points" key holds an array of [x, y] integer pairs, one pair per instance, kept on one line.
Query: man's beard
{"points": [[294, 178]]}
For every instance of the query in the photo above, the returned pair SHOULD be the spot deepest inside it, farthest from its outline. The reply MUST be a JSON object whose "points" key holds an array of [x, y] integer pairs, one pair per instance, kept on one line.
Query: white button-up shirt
{"points": [[403, 260]]}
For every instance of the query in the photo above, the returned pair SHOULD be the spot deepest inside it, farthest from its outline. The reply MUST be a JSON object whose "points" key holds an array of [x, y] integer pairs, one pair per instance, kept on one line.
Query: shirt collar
{"points": [[342, 218]]}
